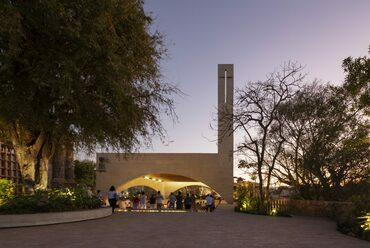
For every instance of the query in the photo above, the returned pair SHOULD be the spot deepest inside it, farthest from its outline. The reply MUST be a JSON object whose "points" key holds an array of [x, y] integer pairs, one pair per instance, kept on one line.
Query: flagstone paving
{"points": [[222, 228]]}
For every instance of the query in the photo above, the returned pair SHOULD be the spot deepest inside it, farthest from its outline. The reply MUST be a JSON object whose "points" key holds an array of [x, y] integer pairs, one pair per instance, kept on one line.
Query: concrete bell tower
{"points": [[225, 134]]}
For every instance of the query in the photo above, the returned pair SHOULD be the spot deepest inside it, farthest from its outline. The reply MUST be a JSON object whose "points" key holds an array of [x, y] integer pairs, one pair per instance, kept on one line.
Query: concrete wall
{"points": [[331, 209], [21, 220], [204, 168]]}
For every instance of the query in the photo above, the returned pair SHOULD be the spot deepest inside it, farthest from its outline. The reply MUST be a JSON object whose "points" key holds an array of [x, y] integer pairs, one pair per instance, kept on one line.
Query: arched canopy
{"points": [[166, 183]]}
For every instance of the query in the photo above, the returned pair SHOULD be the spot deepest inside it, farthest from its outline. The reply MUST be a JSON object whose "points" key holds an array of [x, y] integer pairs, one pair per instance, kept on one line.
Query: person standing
{"points": [[193, 205], [159, 201], [172, 200], [143, 200], [100, 197], [187, 201], [112, 197], [136, 201], [209, 203], [213, 206], [152, 201], [179, 201]]}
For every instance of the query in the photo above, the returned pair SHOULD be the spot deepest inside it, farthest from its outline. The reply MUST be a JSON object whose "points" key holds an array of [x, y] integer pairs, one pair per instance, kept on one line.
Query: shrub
{"points": [[84, 172], [246, 202], [7, 189], [366, 223], [54, 200], [357, 222]]}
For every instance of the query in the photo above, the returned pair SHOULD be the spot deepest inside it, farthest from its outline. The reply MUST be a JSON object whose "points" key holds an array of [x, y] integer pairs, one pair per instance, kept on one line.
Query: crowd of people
{"points": [[156, 201]]}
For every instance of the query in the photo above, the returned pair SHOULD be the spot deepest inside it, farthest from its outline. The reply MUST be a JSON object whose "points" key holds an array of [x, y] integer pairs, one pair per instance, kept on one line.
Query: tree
{"points": [[357, 80], [85, 172], [82, 72], [327, 144], [296, 116], [255, 115]]}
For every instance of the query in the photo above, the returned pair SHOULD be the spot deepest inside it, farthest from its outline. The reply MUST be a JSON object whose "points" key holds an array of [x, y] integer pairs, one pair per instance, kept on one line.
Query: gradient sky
{"points": [[257, 37]]}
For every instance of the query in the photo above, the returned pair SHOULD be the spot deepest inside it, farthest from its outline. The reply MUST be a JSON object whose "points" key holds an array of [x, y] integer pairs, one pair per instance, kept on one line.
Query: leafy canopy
{"points": [[82, 71]]}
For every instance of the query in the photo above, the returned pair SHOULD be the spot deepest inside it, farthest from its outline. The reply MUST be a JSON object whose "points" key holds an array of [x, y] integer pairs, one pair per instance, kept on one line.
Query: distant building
{"points": [[9, 168], [61, 168]]}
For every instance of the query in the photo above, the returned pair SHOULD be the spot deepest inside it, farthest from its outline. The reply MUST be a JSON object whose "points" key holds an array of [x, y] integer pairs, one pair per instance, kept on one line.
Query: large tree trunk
{"points": [[34, 169], [261, 191], [27, 166], [33, 153]]}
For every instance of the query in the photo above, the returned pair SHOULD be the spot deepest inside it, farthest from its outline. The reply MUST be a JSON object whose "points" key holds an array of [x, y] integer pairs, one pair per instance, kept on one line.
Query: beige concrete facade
{"points": [[177, 170]]}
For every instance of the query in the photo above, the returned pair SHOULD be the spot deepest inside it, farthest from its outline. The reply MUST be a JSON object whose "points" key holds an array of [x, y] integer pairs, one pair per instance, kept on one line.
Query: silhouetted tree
{"points": [[357, 80], [327, 144], [256, 116]]}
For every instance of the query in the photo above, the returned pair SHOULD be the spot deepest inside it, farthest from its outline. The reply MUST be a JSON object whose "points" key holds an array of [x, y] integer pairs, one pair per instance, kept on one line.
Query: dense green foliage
{"points": [[84, 172], [357, 222], [83, 72], [7, 190], [55, 200], [365, 222], [247, 202]]}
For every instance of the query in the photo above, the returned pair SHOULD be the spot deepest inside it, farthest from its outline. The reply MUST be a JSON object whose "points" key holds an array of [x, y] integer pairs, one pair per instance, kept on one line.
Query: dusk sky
{"points": [[257, 37]]}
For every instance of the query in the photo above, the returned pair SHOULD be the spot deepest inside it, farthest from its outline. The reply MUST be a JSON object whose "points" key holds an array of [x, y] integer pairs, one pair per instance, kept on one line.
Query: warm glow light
{"points": [[154, 179], [152, 211], [273, 211]]}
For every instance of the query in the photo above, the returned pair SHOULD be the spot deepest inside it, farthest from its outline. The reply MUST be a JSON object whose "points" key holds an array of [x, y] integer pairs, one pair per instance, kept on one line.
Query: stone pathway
{"points": [[223, 228]]}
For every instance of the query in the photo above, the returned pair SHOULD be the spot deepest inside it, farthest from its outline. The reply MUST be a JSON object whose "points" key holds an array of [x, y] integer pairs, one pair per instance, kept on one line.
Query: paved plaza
{"points": [[223, 228]]}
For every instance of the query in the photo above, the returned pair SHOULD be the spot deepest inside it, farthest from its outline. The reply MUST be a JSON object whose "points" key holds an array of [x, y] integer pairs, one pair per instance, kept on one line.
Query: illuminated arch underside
{"points": [[166, 183]]}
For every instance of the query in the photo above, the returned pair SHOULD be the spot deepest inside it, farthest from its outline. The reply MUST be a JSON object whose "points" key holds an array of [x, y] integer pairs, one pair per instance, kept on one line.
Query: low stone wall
{"points": [[329, 209], [23, 220]]}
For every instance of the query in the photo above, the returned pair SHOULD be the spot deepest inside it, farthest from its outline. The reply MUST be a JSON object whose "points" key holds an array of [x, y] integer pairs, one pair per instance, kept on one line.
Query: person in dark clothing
{"points": [[179, 201], [193, 205], [112, 197], [152, 201], [187, 202], [213, 206]]}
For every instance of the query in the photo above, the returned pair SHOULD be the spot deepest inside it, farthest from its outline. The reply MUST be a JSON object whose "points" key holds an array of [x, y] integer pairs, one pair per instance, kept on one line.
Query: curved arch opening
{"points": [[150, 184], [199, 191], [134, 190]]}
